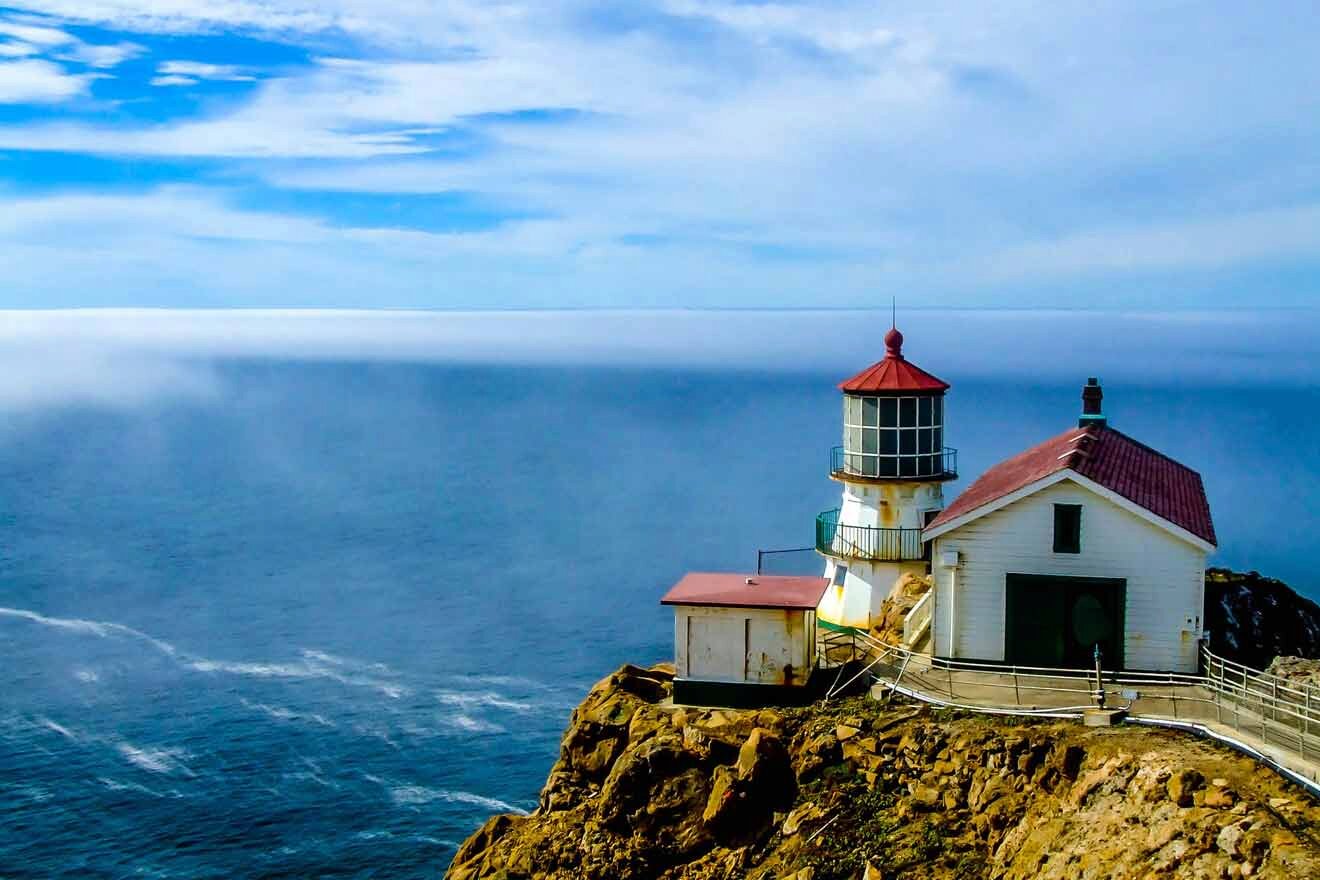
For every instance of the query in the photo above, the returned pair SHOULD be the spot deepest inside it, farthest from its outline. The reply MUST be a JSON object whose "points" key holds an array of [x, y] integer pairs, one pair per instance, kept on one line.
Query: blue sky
{"points": [[460, 154]]}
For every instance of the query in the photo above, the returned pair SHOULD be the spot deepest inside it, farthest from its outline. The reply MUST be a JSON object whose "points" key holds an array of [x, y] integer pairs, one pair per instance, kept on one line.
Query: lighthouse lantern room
{"points": [[893, 464]]}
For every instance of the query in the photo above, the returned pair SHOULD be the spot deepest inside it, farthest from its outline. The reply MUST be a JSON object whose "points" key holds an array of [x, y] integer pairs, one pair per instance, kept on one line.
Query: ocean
{"points": [[321, 615]]}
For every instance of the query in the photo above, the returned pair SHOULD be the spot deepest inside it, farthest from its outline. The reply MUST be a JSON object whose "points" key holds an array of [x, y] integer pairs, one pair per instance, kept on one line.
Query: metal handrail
{"points": [[941, 464], [1277, 712], [917, 621], [866, 542]]}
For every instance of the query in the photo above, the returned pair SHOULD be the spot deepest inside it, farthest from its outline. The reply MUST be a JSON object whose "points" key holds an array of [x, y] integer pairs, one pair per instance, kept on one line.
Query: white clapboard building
{"points": [[1090, 539]]}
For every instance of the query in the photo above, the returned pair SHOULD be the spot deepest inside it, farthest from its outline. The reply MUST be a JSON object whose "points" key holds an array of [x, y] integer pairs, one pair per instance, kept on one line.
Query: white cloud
{"points": [[34, 81], [105, 55], [32, 39], [1200, 243], [200, 70], [17, 50], [922, 146], [36, 35]]}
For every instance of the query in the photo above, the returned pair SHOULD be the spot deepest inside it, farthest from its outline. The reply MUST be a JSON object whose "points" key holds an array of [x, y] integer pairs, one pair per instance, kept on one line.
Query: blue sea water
{"points": [[326, 617]]}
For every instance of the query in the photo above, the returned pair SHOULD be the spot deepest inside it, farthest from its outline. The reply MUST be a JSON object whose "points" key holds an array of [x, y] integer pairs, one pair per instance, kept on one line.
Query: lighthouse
{"points": [[892, 466]]}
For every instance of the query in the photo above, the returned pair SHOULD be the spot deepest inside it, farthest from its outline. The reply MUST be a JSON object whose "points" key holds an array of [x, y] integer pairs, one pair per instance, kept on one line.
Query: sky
{"points": [[479, 154]]}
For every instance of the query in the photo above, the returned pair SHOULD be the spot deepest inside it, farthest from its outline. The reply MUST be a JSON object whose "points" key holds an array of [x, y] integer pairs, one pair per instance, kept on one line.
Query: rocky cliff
{"points": [[1253, 619], [860, 790]]}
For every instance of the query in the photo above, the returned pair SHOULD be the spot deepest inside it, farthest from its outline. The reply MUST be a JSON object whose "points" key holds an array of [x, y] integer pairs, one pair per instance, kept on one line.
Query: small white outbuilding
{"points": [[744, 640], [1090, 539]]}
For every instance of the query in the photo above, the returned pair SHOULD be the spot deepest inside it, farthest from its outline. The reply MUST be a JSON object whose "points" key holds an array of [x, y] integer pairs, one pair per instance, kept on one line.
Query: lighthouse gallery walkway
{"points": [[1271, 719]]}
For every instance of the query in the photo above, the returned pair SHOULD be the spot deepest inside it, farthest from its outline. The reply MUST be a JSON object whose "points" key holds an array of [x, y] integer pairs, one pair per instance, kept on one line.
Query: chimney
{"points": [[1091, 398]]}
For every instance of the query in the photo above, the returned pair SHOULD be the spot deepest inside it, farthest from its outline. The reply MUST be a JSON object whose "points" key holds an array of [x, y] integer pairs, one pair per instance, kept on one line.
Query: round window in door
{"points": [[1091, 622]]}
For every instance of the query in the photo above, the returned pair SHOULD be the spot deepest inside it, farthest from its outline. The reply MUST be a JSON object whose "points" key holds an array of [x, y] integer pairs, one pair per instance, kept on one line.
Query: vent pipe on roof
{"points": [[1092, 396]]}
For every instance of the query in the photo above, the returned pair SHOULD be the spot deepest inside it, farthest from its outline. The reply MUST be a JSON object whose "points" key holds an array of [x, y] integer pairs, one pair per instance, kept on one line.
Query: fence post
{"points": [[1237, 710], [1263, 735], [1306, 719], [1274, 699], [1017, 695]]}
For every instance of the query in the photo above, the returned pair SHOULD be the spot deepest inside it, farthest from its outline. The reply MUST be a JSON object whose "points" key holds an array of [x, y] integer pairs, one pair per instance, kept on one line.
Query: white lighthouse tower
{"points": [[893, 465]]}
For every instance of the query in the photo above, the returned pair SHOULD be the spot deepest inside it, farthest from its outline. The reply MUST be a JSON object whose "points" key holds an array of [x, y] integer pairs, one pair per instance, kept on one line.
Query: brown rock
{"points": [[926, 797], [1183, 784], [845, 732]]}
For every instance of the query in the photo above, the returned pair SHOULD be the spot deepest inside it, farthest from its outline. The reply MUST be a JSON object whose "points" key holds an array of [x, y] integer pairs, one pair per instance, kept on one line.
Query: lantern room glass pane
{"points": [[869, 440], [907, 412], [907, 442], [907, 466], [854, 411], [869, 466], [888, 412], [923, 411], [923, 441], [888, 467], [937, 405], [854, 440], [869, 411], [888, 442]]}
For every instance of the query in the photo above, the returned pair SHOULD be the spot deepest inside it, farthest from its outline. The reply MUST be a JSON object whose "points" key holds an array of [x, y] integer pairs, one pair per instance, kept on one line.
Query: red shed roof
{"points": [[1147, 478], [729, 590], [894, 373]]}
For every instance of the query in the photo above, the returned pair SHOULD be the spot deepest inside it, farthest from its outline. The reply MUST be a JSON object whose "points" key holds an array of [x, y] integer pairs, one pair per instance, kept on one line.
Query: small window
{"points": [[907, 412], [869, 411], [840, 573], [1067, 528]]}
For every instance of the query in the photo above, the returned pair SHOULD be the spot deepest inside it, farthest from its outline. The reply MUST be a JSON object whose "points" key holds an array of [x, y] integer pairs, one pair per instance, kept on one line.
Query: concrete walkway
{"points": [[1265, 732]]}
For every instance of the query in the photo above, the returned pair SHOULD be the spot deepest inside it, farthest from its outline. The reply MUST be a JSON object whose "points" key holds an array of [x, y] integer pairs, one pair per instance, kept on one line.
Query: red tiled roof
{"points": [[1133, 470], [894, 373], [729, 590]]}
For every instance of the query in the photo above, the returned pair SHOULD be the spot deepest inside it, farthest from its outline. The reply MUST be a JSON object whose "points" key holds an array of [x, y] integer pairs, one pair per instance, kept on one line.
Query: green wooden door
{"points": [[1058, 621]]}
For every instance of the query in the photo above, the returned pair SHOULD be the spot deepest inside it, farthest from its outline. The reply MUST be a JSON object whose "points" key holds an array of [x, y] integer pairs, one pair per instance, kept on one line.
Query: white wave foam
{"points": [[416, 795], [382, 834], [314, 664], [299, 669], [508, 681], [284, 714], [102, 629], [344, 662], [487, 698], [168, 760], [34, 793], [58, 728], [471, 725], [116, 785], [86, 676]]}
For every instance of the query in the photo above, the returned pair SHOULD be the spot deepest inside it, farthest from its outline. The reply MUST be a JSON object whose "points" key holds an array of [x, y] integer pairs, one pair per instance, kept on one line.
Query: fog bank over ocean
{"points": [[127, 355]]}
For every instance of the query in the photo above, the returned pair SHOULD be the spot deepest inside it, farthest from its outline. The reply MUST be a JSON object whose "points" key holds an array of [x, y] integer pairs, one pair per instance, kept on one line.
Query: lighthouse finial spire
{"points": [[893, 313]]}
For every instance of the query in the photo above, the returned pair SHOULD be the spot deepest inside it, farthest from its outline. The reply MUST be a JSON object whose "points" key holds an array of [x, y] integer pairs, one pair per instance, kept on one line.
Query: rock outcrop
{"points": [[1253, 619], [860, 790], [894, 609]]}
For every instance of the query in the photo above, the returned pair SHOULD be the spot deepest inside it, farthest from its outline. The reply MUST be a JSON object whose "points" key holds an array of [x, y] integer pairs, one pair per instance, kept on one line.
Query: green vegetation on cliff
{"points": [[856, 789]]}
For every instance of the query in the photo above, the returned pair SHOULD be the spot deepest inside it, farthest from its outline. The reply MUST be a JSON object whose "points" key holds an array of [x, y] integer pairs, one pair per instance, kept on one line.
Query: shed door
{"points": [[1058, 621], [716, 648]]}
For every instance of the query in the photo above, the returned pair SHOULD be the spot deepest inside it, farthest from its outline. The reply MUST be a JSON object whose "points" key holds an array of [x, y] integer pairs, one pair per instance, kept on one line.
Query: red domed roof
{"points": [[894, 373]]}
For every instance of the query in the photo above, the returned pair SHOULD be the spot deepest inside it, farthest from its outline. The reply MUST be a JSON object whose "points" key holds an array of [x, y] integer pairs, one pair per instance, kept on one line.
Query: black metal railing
{"points": [[865, 542], [942, 465], [796, 562]]}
